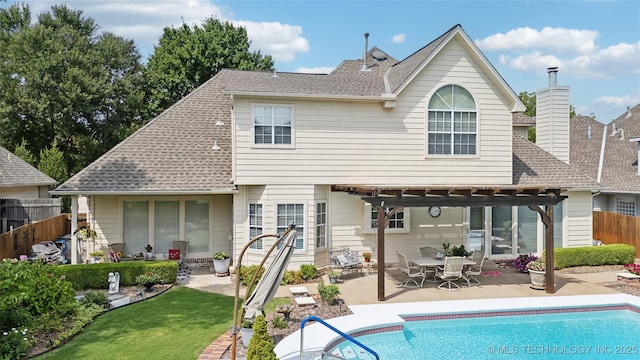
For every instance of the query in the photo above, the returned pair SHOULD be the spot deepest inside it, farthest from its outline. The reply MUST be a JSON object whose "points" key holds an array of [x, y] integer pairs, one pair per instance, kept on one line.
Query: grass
{"points": [[178, 324]]}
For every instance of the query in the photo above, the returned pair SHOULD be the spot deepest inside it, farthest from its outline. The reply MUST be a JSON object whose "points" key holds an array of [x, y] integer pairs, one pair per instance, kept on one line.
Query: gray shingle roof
{"points": [[172, 153], [520, 119], [533, 166], [16, 172], [584, 152], [620, 165]]}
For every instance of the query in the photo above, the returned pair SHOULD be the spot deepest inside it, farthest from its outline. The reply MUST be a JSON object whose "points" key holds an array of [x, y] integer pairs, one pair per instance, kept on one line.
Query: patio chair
{"points": [[431, 252], [412, 272], [450, 272], [183, 246], [474, 270]]}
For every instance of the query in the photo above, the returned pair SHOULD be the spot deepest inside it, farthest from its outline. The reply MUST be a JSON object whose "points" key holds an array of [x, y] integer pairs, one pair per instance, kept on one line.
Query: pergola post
{"points": [[547, 219], [381, 227]]}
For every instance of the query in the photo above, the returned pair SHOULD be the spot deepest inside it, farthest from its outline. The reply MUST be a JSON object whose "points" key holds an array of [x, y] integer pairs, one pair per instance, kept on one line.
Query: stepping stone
{"points": [[119, 300], [305, 300], [298, 290]]}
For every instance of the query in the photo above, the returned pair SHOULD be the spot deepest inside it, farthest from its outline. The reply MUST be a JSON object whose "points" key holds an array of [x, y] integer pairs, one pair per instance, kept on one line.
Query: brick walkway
{"points": [[217, 348]]}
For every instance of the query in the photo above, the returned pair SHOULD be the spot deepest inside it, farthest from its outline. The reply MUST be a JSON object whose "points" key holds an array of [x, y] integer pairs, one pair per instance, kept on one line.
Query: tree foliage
{"points": [[61, 82], [188, 56]]}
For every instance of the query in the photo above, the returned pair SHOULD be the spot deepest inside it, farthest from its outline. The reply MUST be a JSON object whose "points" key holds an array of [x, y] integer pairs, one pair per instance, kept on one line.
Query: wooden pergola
{"points": [[538, 198]]}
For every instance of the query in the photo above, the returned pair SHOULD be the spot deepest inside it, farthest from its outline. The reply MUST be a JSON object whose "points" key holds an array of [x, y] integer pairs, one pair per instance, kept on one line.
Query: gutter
{"points": [[145, 192], [379, 98]]}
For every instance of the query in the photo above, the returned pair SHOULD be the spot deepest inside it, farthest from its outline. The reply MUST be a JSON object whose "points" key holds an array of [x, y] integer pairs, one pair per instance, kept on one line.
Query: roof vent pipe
{"points": [[589, 133], [365, 67], [553, 75]]}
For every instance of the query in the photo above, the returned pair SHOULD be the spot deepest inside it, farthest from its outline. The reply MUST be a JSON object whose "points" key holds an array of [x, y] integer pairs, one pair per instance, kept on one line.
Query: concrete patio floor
{"points": [[359, 289]]}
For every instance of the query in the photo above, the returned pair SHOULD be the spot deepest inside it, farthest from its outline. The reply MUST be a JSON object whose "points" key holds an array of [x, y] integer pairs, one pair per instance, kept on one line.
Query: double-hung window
{"points": [[272, 124], [255, 225], [398, 222], [452, 127], [286, 213]]}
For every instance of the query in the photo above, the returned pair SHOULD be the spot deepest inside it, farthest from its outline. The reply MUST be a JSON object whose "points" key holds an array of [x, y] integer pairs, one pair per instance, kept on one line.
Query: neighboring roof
{"points": [[620, 162], [171, 154], [584, 150], [16, 172], [520, 119], [533, 166]]}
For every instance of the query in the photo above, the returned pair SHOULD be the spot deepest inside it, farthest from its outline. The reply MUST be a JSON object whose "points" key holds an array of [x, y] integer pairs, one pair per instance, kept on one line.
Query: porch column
{"points": [[74, 229]]}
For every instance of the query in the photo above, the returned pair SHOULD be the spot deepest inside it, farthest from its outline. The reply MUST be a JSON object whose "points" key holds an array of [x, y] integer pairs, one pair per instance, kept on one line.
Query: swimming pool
{"points": [[403, 321], [597, 334]]}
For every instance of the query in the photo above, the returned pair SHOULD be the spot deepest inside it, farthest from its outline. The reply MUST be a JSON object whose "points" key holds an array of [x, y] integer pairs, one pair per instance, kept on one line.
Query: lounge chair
{"points": [[474, 270], [450, 272], [412, 272]]}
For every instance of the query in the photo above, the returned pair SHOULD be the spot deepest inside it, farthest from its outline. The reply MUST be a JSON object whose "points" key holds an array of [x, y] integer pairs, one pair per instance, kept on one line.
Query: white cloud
{"points": [[621, 101], [315, 70], [281, 41], [399, 39], [143, 22], [558, 40]]}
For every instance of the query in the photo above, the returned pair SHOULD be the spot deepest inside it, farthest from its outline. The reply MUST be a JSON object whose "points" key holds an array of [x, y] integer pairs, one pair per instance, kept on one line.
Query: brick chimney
{"points": [[552, 117]]}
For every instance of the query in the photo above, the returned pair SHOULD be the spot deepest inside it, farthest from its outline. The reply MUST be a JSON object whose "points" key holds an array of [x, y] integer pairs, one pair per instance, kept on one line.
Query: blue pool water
{"points": [[577, 335]]}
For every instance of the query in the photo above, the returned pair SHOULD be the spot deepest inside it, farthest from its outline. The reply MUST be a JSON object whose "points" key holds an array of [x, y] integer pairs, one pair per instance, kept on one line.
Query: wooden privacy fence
{"points": [[613, 228], [17, 212], [19, 241]]}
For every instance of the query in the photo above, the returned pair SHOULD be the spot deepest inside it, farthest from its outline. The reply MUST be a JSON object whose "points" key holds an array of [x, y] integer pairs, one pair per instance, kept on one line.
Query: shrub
{"points": [[328, 292], [617, 254], [261, 344], [279, 322], [96, 298], [308, 271], [14, 344], [291, 277], [96, 276], [247, 273]]}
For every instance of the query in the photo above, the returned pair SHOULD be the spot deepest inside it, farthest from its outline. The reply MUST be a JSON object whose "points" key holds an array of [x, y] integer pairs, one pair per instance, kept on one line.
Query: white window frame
{"points": [[282, 227], [449, 116], [259, 228], [321, 225], [273, 125], [626, 205], [369, 227]]}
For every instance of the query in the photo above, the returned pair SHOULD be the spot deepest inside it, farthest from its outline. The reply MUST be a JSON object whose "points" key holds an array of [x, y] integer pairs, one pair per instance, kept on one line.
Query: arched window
{"points": [[452, 127]]}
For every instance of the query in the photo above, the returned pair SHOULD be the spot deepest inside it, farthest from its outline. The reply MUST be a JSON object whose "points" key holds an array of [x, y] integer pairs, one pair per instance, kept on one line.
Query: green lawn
{"points": [[178, 324]]}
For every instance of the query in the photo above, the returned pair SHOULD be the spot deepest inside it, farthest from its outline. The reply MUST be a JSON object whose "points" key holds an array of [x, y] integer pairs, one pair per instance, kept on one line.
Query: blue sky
{"points": [[596, 44]]}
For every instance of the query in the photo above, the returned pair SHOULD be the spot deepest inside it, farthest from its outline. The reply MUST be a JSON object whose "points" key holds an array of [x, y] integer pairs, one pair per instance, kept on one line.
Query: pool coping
{"points": [[366, 318]]}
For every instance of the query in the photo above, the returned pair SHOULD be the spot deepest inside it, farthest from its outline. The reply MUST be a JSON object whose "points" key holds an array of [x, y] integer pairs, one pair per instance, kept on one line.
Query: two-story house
{"points": [[248, 152]]}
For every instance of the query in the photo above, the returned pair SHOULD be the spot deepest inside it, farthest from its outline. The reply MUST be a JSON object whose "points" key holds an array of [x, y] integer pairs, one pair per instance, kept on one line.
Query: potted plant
{"points": [[333, 277], [366, 256], [328, 293], [246, 330], [97, 256], [221, 262], [148, 280], [520, 263], [149, 252], [537, 273]]}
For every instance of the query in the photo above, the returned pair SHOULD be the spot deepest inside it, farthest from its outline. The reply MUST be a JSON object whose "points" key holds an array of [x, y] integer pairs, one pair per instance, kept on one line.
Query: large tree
{"points": [[188, 56], [63, 83]]}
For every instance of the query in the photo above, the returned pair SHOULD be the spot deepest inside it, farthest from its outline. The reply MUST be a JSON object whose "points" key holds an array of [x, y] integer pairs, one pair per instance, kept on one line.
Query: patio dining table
{"points": [[431, 262]]}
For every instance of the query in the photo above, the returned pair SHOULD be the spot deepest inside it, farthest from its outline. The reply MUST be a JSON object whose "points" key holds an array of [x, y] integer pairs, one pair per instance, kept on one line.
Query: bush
{"points": [[328, 292], [14, 344], [96, 276], [291, 277], [617, 254], [308, 271], [261, 344], [247, 273], [95, 298], [279, 322]]}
